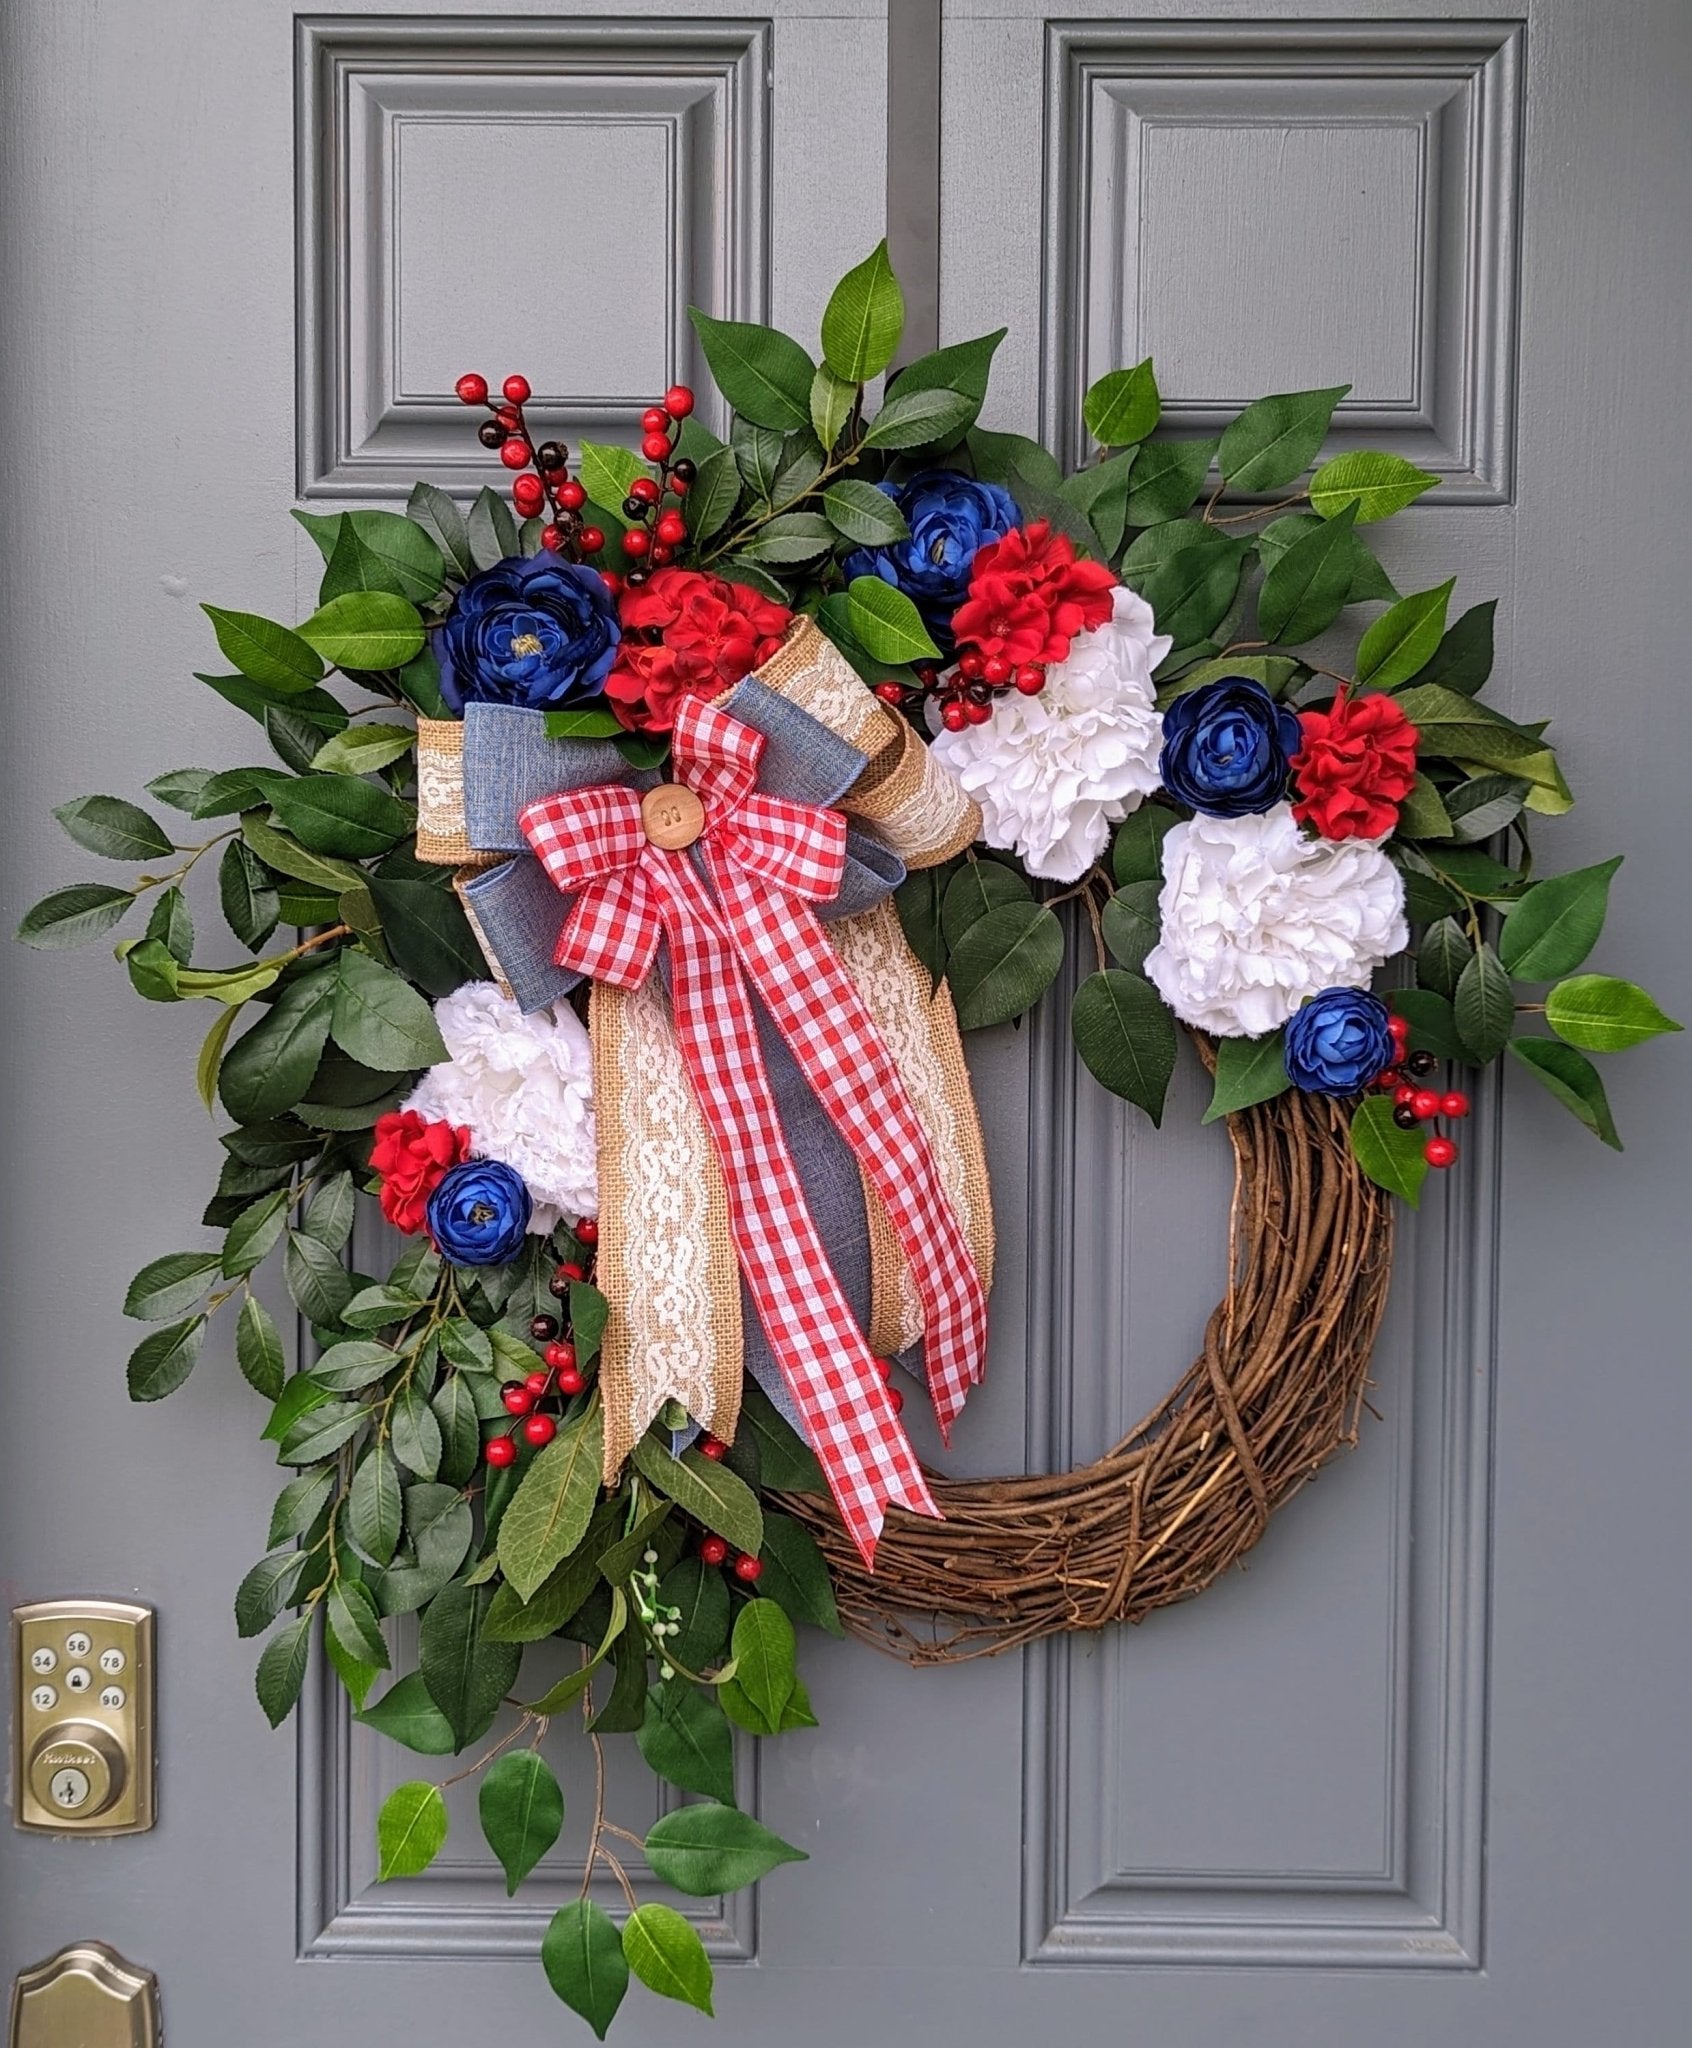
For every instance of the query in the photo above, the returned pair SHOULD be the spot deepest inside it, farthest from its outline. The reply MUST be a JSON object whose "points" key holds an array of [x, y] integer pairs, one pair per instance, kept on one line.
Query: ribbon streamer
{"points": [[769, 860]]}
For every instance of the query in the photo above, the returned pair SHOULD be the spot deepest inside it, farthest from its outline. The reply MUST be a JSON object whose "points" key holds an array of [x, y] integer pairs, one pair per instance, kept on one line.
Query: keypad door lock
{"points": [[82, 1759]]}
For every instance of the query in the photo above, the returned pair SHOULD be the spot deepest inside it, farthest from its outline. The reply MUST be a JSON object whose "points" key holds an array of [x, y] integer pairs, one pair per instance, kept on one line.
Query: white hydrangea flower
{"points": [[524, 1088], [1256, 917], [1053, 773]]}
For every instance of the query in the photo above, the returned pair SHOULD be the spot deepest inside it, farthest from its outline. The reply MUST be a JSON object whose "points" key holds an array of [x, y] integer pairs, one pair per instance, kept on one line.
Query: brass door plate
{"points": [[82, 1749], [85, 1997]]}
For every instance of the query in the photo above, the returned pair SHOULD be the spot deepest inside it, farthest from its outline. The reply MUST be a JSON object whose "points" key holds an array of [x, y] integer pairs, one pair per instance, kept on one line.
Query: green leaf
{"points": [[764, 1674], [550, 1510], [1136, 854], [1484, 1006], [962, 366], [1556, 924], [406, 1715], [704, 1850], [251, 906], [179, 787], [375, 1506], [1125, 1037], [165, 1287], [1464, 658], [1130, 923], [439, 517], [1123, 406], [265, 1591], [282, 1669], [380, 1018], [317, 1281], [1167, 477], [410, 1830], [706, 1490], [764, 374], [1601, 1014], [319, 1431], [978, 887], [425, 930], [351, 1621], [589, 1311], [362, 749], [667, 1955], [918, 900], [116, 830], [416, 1433], [522, 1809], [1004, 963], [270, 1069], [795, 1575], [1403, 640], [254, 1234], [365, 629], [786, 1462], [1422, 814], [330, 1216], [920, 419], [1188, 574], [1248, 1070], [277, 850], [299, 1396], [715, 493], [884, 622], [700, 1592], [1376, 484], [211, 1055], [608, 470], [1454, 727], [258, 1348], [1100, 493], [1433, 1026], [1442, 956], [1306, 587], [466, 1674], [164, 1358], [71, 916], [491, 530], [794, 537], [270, 654], [685, 1738], [1484, 805], [582, 1955], [1390, 1157], [172, 924], [864, 514], [300, 1503], [1276, 439], [341, 816], [1574, 1080], [863, 321]]}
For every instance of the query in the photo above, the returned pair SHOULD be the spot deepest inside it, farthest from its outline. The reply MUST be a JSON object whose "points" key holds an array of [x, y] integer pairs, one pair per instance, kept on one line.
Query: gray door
{"points": [[1417, 1775]]}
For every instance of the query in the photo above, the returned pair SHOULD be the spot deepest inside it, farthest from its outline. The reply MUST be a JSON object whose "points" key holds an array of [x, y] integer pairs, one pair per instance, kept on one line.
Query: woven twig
{"points": [[1277, 1389]]}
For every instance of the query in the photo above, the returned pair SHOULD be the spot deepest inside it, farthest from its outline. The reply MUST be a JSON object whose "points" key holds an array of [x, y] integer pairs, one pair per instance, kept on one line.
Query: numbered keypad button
{"points": [[44, 1699], [78, 1678], [113, 1697], [43, 1659], [112, 1662], [77, 1645]]}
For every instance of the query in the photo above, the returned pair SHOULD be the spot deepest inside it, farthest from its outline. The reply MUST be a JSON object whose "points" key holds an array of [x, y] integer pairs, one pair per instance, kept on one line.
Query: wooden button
{"points": [[672, 815]]}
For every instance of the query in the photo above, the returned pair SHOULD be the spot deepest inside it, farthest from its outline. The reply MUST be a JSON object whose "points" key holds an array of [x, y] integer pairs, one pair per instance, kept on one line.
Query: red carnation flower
{"points": [[414, 1156], [1356, 767], [1029, 595], [687, 634]]}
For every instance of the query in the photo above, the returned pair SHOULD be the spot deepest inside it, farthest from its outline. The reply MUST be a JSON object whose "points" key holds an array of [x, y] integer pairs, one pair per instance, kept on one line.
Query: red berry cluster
{"points": [[542, 480], [1414, 1101], [746, 1567], [656, 531], [553, 1382], [965, 696]]}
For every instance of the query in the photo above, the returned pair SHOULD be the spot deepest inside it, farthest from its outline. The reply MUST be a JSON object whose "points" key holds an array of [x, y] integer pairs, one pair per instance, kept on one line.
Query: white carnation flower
{"points": [[1053, 773], [524, 1088], [1256, 918]]}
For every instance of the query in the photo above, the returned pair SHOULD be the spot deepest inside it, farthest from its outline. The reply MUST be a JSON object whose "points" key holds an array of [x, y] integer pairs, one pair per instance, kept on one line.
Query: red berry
{"points": [[538, 1381], [612, 581], [681, 485], [1406, 1091], [573, 1269], [1425, 1103], [972, 664], [528, 494], [748, 1568], [472, 388], [977, 714], [560, 1354], [1030, 679], [636, 542], [592, 539], [711, 1447], [552, 537], [678, 401], [1454, 1104], [1390, 1078], [655, 447], [517, 1397], [996, 670], [952, 714], [713, 1550], [1399, 1027], [570, 1381], [571, 496], [539, 1430], [510, 418], [645, 490], [672, 529], [890, 692], [514, 453], [517, 390], [883, 1368], [655, 420], [895, 1397], [1439, 1152], [586, 1231], [500, 1451], [662, 557]]}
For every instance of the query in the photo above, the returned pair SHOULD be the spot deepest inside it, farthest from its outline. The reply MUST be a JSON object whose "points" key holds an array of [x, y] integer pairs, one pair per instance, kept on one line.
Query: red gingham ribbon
{"points": [[768, 860]]}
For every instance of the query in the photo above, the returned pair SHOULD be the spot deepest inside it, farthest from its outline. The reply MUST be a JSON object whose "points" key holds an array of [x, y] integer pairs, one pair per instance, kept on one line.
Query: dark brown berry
{"points": [[1420, 1064], [490, 433], [543, 1328]]}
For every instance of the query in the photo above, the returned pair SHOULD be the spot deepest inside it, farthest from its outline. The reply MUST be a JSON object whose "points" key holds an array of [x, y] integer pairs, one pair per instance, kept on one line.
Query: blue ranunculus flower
{"points": [[951, 517], [1226, 747], [536, 631], [1338, 1042], [479, 1214]]}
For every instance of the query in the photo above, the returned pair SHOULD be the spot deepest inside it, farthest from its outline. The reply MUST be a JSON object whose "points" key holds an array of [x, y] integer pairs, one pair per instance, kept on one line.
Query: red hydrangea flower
{"points": [[1029, 595], [687, 634], [414, 1155], [1356, 766]]}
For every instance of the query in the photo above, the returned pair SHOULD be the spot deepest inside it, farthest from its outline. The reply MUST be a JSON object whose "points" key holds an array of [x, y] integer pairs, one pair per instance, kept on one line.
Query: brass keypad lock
{"points": [[82, 1760]]}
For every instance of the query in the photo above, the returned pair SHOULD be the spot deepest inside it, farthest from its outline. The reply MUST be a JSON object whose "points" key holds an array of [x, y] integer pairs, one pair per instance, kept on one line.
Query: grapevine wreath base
{"points": [[1187, 1492]]}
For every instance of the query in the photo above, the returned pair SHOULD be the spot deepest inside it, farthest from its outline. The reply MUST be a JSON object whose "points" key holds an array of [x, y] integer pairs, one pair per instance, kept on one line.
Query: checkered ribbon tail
{"points": [[768, 860]]}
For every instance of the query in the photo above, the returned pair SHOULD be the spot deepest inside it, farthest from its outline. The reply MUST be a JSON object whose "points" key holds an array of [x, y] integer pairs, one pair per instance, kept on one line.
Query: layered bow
{"points": [[738, 912]]}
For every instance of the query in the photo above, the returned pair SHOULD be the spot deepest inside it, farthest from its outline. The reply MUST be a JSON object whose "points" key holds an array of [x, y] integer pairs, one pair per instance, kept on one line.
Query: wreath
{"points": [[640, 847]]}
